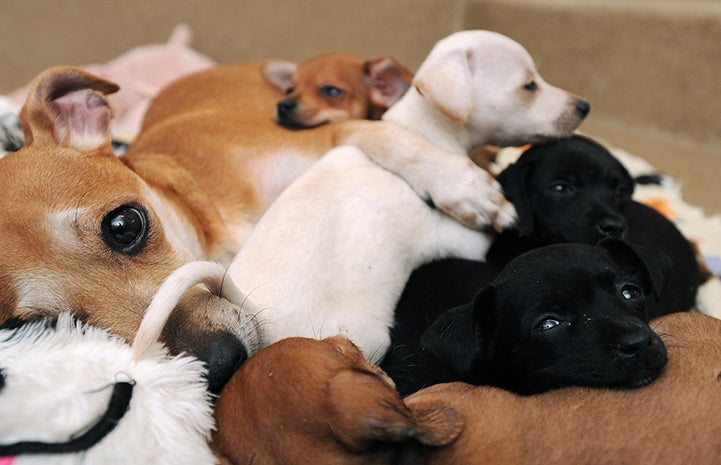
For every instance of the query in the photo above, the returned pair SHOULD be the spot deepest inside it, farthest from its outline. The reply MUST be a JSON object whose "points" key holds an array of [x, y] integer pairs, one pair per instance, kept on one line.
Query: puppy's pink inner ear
{"points": [[82, 119], [388, 81]]}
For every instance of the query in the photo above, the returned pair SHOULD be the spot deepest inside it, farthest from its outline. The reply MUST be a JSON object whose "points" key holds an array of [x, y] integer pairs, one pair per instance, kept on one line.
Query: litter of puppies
{"points": [[225, 290]]}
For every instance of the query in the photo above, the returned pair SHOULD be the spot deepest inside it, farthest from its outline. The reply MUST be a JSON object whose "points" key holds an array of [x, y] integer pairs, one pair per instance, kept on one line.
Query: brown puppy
{"points": [[675, 420], [336, 87], [305, 401], [328, 88]]}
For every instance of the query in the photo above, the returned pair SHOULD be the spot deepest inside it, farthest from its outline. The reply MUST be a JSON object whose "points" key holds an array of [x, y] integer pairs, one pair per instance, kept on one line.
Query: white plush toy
{"points": [[72, 393]]}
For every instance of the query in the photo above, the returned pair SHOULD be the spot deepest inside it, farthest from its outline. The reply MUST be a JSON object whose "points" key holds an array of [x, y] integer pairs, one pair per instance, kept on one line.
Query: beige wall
{"points": [[649, 67]]}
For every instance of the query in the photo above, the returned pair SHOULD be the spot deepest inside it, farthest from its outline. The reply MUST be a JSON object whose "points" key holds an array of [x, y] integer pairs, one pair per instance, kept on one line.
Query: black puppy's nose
{"points": [[611, 228], [632, 343], [2, 379], [286, 107], [582, 107]]}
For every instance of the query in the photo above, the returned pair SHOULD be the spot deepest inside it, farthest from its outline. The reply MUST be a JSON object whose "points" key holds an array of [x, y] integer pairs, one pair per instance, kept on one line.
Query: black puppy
{"points": [[560, 315], [574, 190]]}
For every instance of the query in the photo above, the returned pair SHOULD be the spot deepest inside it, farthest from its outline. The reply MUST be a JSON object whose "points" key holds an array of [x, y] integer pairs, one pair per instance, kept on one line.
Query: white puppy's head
{"points": [[488, 84]]}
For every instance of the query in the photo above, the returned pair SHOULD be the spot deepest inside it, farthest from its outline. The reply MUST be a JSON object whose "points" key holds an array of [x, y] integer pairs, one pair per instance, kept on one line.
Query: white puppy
{"points": [[333, 253]]}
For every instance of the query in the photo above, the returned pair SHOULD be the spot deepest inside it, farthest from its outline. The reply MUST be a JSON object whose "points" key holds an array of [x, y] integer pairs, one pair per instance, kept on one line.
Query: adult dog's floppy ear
{"points": [[366, 410], [514, 181], [447, 85], [66, 107], [653, 264]]}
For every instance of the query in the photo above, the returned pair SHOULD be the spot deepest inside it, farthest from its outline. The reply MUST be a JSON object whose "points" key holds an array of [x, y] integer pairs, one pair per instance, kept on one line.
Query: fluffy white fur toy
{"points": [[72, 393]]}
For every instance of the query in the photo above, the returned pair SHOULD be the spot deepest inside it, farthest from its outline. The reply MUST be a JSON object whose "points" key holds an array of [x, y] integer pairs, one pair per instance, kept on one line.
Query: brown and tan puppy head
{"points": [[336, 87], [307, 401], [82, 232]]}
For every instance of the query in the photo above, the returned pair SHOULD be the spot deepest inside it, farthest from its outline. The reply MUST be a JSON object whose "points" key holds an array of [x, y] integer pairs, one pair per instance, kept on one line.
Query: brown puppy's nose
{"points": [[582, 108], [286, 107]]}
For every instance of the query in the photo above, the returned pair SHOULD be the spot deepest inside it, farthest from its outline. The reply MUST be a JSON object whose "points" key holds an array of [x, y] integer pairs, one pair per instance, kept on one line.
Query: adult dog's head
{"points": [[488, 86], [82, 232], [570, 190], [560, 315]]}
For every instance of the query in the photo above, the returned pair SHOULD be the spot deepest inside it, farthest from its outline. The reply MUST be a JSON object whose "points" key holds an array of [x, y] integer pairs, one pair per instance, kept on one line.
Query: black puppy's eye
{"points": [[547, 324], [623, 192], [631, 292], [531, 86], [125, 229], [289, 90], [330, 91], [561, 187]]}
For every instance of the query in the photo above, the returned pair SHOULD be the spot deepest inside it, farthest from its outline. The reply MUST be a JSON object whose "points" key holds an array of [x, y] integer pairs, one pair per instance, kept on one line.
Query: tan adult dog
{"points": [[86, 231], [82, 232], [328, 88], [305, 401], [675, 420]]}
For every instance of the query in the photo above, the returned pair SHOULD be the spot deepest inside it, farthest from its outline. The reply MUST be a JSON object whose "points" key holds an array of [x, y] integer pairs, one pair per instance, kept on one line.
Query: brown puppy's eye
{"points": [[289, 90], [125, 229], [330, 91], [531, 86]]}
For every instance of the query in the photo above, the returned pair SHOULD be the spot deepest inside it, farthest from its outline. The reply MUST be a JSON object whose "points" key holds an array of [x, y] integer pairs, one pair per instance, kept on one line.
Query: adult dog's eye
{"points": [[330, 91], [547, 324], [631, 292], [125, 229], [289, 90], [531, 86], [561, 187]]}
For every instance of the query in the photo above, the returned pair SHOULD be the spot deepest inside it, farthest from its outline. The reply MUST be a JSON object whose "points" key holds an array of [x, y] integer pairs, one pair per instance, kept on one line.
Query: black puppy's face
{"points": [[559, 315], [572, 315], [571, 190]]}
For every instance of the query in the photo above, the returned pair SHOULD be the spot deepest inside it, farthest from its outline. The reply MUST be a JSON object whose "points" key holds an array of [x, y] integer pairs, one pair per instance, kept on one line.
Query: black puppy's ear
{"points": [[463, 335], [514, 180], [652, 263]]}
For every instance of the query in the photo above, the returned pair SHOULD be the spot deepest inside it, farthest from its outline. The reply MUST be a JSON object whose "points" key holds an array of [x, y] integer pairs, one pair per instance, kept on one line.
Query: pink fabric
{"points": [[6, 460]]}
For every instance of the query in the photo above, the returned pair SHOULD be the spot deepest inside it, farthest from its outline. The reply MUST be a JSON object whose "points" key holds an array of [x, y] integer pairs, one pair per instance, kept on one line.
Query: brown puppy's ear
{"points": [[67, 107], [367, 410], [653, 264], [514, 181], [389, 80], [447, 84], [279, 73]]}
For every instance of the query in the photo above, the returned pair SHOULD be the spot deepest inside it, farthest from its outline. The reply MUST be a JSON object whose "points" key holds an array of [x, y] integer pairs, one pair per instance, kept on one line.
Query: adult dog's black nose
{"points": [[634, 343], [286, 107], [582, 108], [610, 227]]}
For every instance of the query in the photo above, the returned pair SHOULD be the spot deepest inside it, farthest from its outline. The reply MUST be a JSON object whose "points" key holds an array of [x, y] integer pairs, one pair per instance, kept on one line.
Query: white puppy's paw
{"points": [[473, 197]]}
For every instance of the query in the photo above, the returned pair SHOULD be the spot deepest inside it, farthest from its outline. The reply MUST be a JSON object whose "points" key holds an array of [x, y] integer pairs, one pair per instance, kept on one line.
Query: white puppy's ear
{"points": [[279, 72], [447, 84]]}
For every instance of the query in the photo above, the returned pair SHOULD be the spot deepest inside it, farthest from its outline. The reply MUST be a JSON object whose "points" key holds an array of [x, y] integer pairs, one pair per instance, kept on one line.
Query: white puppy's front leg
{"points": [[451, 181]]}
